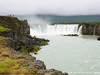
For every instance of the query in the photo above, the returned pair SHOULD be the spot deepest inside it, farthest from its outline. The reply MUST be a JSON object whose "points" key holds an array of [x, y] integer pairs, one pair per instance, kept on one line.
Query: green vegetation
{"points": [[13, 67], [43, 43], [27, 49], [3, 43], [4, 29], [12, 63], [8, 65], [70, 35], [7, 20], [33, 70]]}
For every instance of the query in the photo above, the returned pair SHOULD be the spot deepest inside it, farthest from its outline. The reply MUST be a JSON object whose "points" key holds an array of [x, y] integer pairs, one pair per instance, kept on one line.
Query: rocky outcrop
{"points": [[19, 28], [21, 63], [90, 28], [19, 31], [98, 38], [15, 37], [51, 72]]}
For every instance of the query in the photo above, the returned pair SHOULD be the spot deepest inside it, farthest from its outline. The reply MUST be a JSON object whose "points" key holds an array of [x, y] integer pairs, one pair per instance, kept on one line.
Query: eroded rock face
{"points": [[98, 30], [39, 64], [19, 28], [98, 38], [20, 36], [51, 72], [19, 32], [87, 30], [91, 29]]}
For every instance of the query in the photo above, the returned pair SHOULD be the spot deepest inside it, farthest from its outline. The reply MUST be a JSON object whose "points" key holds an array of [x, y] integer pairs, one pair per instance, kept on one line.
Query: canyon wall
{"points": [[90, 28]]}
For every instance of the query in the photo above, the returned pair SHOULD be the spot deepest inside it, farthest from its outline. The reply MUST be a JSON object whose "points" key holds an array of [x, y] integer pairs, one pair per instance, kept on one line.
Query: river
{"points": [[77, 55]]}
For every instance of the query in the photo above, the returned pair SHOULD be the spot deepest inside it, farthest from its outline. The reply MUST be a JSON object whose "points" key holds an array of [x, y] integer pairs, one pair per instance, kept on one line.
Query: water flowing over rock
{"points": [[64, 29], [54, 29], [91, 29]]}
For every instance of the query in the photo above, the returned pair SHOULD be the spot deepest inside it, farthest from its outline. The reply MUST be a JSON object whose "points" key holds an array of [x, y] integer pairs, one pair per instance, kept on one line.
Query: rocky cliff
{"points": [[91, 28], [15, 45], [18, 29]]}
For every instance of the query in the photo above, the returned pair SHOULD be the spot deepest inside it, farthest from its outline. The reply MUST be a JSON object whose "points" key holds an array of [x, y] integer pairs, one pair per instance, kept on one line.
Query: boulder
{"points": [[51, 72], [39, 64], [98, 38]]}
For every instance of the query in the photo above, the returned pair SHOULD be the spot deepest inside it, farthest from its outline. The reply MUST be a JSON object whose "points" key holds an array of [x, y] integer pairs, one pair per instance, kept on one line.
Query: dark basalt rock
{"points": [[91, 29], [88, 29], [51, 72], [19, 36], [98, 38], [19, 28], [36, 64], [10, 43], [19, 32], [70, 35], [39, 64]]}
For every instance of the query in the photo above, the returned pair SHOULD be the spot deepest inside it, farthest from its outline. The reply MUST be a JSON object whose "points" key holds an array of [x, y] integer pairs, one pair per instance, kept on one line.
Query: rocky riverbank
{"points": [[15, 45]]}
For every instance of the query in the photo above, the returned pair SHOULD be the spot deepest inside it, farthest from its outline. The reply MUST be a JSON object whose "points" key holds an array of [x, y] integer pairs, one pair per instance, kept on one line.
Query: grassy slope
{"points": [[4, 29], [11, 62]]}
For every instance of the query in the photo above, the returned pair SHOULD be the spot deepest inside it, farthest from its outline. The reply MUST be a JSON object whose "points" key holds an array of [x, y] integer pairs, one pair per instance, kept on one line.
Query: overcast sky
{"points": [[58, 7]]}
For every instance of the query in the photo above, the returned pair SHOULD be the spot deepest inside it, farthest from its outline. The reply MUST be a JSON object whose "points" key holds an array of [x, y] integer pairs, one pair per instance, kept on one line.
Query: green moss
{"points": [[28, 49], [3, 43], [43, 43], [8, 65], [36, 48], [25, 65], [22, 49], [70, 35], [33, 70], [4, 29]]}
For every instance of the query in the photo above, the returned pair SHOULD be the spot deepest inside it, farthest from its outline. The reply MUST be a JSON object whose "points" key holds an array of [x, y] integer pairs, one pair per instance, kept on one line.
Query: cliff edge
{"points": [[15, 45]]}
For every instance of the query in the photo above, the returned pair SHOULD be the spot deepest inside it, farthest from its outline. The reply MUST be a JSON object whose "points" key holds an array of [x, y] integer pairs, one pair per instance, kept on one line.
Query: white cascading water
{"points": [[80, 30], [55, 29]]}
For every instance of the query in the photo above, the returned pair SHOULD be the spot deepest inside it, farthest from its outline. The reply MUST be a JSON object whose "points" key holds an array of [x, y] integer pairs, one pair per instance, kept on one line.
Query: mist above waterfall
{"points": [[40, 25], [37, 21], [37, 25]]}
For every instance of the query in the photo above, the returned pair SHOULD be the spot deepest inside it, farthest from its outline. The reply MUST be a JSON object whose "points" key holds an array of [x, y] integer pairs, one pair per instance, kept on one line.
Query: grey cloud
{"points": [[59, 7]]}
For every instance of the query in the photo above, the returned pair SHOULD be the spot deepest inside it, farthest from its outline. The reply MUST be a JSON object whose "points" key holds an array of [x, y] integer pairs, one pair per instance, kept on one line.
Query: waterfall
{"points": [[94, 30], [80, 30], [56, 29]]}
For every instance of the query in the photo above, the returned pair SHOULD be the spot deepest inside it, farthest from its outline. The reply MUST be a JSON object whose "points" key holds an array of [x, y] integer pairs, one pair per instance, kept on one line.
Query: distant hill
{"points": [[64, 19], [78, 18]]}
